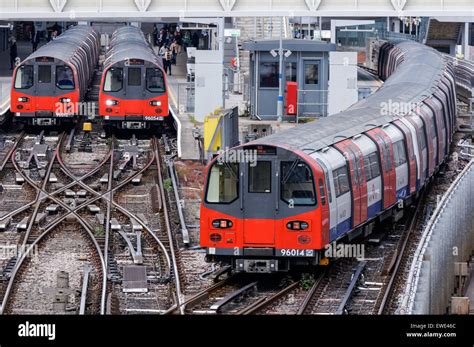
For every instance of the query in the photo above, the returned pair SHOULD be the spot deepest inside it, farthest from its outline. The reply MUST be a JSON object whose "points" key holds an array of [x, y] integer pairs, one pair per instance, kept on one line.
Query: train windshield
{"points": [[223, 183], [297, 184], [155, 81], [113, 80], [24, 77], [64, 77]]}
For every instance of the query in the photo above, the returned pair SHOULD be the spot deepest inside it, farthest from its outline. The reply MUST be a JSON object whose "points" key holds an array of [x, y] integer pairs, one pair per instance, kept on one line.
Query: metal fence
{"points": [[448, 238], [184, 93]]}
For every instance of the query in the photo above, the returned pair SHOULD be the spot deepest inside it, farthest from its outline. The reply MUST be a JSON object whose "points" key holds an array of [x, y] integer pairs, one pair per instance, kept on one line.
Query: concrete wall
{"points": [[208, 83], [448, 238]]}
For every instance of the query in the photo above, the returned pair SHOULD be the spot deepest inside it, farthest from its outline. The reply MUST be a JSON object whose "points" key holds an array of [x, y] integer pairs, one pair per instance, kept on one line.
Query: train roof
{"points": [[413, 81], [130, 43], [65, 46]]}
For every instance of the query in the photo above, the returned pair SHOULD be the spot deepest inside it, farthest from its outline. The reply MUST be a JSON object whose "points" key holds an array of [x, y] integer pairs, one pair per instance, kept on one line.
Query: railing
{"points": [[446, 239], [312, 109], [184, 92]]}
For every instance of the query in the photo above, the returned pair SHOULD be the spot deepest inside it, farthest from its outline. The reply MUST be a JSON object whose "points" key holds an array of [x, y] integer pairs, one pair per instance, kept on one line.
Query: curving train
{"points": [[133, 90], [48, 85], [334, 178]]}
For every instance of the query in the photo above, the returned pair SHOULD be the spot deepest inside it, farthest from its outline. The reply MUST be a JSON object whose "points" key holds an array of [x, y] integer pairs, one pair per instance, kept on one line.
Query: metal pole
{"points": [[280, 75]]}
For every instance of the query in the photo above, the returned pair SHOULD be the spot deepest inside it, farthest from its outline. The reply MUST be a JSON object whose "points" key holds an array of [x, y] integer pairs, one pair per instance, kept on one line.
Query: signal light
{"points": [[155, 103], [65, 100], [222, 223], [214, 237], [111, 102], [108, 110], [158, 110], [23, 99], [297, 225], [20, 107]]}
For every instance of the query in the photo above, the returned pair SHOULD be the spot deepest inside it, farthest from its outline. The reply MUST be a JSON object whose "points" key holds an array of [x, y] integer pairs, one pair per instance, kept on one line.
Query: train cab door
{"points": [[134, 80], [259, 204], [44, 85]]}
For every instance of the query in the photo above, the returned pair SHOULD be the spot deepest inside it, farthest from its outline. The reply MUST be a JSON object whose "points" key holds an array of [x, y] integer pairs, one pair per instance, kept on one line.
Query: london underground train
{"points": [[50, 83], [133, 91], [332, 179]]}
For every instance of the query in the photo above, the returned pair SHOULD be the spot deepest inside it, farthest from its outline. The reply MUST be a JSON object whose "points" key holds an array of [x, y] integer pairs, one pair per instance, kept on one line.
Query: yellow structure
{"points": [[211, 129], [87, 126]]}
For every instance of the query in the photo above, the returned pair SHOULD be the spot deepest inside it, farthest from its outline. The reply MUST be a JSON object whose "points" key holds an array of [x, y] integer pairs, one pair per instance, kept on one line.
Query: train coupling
{"points": [[256, 265]]}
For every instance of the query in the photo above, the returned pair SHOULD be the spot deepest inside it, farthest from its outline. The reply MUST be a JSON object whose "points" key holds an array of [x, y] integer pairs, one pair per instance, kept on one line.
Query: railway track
{"points": [[56, 197], [364, 286]]}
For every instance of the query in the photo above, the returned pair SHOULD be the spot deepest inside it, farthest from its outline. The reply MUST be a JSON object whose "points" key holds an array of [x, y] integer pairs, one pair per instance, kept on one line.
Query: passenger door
{"points": [[259, 202]]}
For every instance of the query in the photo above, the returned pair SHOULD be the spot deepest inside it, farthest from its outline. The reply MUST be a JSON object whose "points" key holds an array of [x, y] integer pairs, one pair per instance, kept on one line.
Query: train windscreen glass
{"points": [[64, 77], [155, 81], [223, 183], [24, 77], [113, 80], [297, 185]]}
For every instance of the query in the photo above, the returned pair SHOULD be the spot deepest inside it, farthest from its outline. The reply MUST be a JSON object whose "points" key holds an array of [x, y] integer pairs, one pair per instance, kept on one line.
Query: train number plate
{"points": [[295, 252]]}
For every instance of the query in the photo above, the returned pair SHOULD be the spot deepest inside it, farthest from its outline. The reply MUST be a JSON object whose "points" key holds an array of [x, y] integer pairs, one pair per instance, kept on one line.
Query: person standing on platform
{"points": [[13, 52], [174, 52], [167, 61]]}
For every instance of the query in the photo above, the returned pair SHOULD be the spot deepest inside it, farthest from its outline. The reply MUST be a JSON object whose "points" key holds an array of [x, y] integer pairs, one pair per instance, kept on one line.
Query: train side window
{"points": [[399, 154], [44, 73], [326, 179], [341, 180], [64, 77], [113, 80], [134, 76], [223, 183], [260, 177], [24, 77], [321, 191], [371, 166], [297, 183], [155, 81]]}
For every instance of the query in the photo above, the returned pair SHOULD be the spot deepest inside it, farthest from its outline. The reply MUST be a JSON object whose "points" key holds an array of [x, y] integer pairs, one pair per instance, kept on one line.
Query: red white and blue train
{"points": [[333, 178]]}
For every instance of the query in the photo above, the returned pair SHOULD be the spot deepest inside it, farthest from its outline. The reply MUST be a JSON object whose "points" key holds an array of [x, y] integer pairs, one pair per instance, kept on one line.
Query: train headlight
{"points": [[297, 225], [65, 100], [111, 102], [222, 223], [23, 99], [155, 103]]}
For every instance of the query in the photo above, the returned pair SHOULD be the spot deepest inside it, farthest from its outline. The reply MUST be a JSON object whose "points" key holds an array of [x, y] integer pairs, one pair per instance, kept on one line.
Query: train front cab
{"points": [[44, 90], [265, 215], [133, 95]]}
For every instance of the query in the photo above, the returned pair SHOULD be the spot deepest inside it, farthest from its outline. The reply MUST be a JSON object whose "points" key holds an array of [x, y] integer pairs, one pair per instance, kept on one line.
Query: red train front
{"points": [[49, 85], [133, 90], [262, 211]]}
